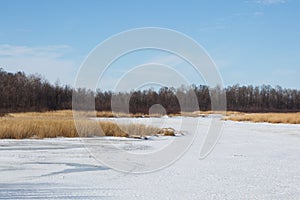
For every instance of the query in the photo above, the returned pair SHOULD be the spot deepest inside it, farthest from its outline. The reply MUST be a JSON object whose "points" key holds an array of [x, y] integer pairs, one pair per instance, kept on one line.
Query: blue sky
{"points": [[251, 41]]}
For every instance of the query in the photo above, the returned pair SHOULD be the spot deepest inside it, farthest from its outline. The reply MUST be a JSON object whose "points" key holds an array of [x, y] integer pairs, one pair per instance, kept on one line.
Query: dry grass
{"points": [[110, 114], [167, 132], [287, 118], [185, 114], [205, 113], [61, 124]]}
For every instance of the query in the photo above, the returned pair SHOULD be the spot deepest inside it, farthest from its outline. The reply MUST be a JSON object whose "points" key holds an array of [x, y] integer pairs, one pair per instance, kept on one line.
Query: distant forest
{"points": [[22, 93]]}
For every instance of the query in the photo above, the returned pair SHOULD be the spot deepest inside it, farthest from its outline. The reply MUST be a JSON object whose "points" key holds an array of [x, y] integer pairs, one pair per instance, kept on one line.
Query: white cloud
{"points": [[49, 61], [270, 2], [259, 13], [213, 28], [171, 60], [7, 50]]}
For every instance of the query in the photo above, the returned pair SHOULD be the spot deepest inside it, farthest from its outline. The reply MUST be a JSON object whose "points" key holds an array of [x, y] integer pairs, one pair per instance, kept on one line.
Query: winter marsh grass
{"points": [[287, 118], [61, 124]]}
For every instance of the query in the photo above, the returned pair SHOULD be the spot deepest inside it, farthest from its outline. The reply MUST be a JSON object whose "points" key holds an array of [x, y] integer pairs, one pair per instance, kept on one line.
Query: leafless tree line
{"points": [[22, 93]]}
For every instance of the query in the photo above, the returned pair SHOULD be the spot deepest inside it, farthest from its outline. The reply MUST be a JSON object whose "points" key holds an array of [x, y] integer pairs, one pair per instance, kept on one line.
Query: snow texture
{"points": [[250, 161]]}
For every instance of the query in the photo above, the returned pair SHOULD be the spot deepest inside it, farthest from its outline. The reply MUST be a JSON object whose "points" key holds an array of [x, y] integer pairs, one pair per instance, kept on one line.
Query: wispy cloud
{"points": [[49, 61], [258, 13], [50, 51], [171, 60], [270, 2], [212, 28]]}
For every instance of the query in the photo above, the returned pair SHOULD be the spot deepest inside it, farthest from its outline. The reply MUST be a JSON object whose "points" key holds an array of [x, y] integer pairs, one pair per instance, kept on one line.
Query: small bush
{"points": [[167, 132]]}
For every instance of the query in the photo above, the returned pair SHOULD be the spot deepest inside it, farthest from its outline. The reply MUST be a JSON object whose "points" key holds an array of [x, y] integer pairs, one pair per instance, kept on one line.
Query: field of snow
{"points": [[250, 161]]}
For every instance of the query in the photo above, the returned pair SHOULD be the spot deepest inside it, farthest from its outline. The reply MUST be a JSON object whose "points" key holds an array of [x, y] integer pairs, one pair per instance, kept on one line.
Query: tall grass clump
{"points": [[61, 124], [287, 118]]}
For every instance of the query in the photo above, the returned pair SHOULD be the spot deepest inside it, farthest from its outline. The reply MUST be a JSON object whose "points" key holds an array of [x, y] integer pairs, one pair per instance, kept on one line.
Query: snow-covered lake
{"points": [[250, 161]]}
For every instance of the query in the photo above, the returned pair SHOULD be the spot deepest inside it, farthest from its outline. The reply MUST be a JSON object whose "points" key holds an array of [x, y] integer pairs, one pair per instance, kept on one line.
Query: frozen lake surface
{"points": [[250, 161]]}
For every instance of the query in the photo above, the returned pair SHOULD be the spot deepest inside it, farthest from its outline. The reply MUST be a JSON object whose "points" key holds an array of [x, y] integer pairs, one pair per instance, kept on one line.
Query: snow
{"points": [[251, 160]]}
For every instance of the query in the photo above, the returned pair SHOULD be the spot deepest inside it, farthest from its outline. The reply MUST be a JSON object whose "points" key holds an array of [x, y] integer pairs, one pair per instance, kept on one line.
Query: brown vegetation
{"points": [[167, 132], [109, 114], [204, 113], [120, 114], [61, 124], [287, 118]]}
